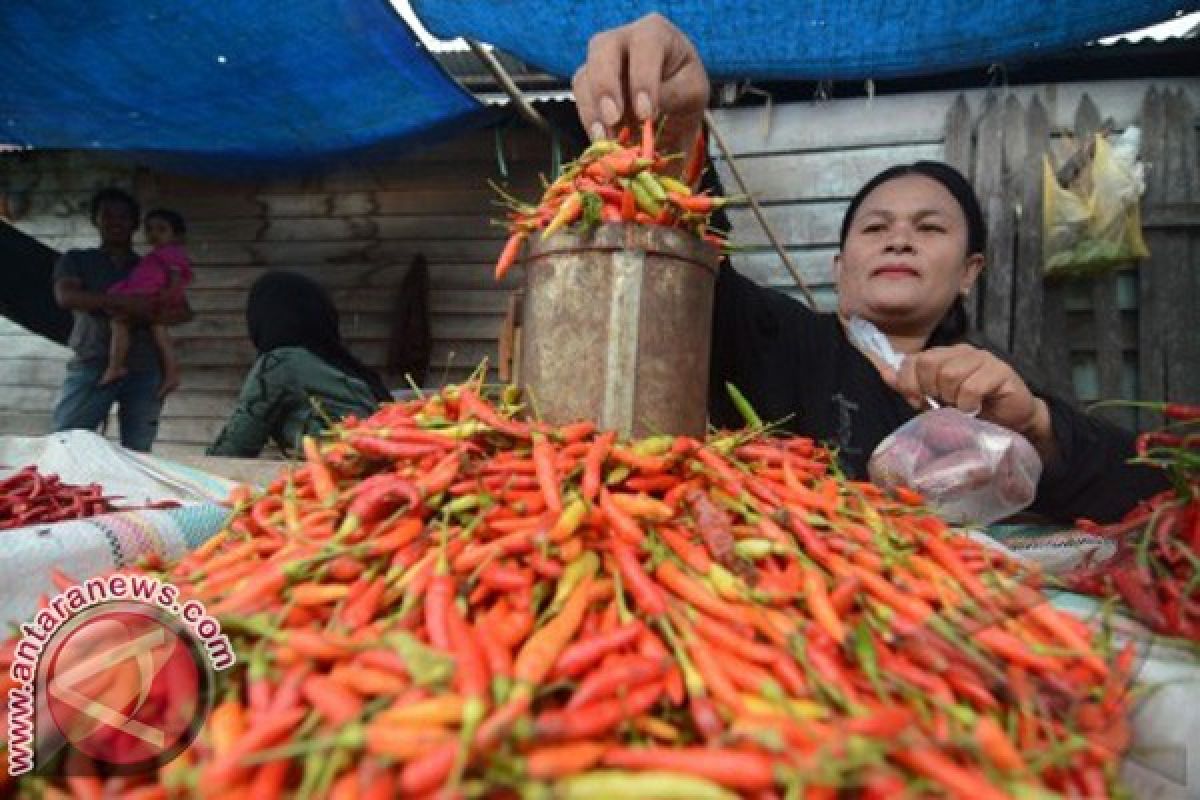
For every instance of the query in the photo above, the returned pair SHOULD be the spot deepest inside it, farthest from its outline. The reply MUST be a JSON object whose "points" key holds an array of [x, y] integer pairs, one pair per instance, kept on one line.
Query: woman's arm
{"points": [[250, 425], [1090, 475]]}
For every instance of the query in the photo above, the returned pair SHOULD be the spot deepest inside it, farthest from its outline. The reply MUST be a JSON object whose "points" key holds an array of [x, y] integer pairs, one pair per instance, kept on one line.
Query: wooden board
{"points": [[892, 119], [1181, 344], [445, 278], [989, 187], [1153, 305], [765, 267], [1027, 282], [834, 175], [803, 225]]}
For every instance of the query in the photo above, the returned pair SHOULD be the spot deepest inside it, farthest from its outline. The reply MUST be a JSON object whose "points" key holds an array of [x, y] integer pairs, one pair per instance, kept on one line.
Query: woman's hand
{"points": [[642, 70], [974, 380]]}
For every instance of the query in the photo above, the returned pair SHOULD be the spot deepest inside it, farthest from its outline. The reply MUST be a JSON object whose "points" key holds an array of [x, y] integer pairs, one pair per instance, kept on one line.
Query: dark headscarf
{"points": [[953, 326], [289, 310]]}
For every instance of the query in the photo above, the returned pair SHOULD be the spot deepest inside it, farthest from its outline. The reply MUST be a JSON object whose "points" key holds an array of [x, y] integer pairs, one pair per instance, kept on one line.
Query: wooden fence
{"points": [[1132, 333]]}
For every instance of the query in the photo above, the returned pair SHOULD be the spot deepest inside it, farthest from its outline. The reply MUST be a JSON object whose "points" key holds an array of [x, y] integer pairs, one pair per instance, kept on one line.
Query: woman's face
{"points": [[905, 256]]}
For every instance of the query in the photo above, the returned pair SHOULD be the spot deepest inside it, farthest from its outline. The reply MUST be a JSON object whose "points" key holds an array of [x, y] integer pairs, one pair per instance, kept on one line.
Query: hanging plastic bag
{"points": [[1097, 224], [970, 471]]}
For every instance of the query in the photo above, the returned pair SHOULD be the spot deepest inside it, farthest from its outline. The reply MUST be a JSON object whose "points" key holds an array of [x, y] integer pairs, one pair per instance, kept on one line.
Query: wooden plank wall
{"points": [[1131, 333], [355, 230], [804, 161]]}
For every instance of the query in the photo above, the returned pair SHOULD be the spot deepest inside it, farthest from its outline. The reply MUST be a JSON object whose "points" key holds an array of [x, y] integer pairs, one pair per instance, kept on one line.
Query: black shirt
{"points": [[794, 363], [97, 271]]}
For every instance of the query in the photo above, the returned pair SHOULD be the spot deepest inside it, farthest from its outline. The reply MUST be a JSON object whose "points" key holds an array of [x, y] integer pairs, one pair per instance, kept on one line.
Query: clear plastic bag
{"points": [[1096, 224], [970, 471]]}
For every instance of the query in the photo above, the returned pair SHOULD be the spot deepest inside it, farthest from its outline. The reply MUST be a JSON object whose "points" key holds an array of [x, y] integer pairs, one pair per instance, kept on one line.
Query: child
{"points": [[166, 270]]}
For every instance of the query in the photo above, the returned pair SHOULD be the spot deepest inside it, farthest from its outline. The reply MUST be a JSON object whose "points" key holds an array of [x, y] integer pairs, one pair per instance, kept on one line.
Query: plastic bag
{"points": [[1097, 224], [970, 471]]}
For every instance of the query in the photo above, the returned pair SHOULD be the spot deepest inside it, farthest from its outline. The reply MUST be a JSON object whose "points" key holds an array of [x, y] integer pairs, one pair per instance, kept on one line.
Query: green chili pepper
{"points": [[753, 420], [651, 185], [611, 784], [583, 567], [654, 445], [645, 200], [754, 549], [427, 666], [864, 653], [617, 475]]}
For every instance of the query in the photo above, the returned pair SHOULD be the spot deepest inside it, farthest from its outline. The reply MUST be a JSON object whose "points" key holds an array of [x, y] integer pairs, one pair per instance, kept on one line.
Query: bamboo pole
{"points": [[757, 209]]}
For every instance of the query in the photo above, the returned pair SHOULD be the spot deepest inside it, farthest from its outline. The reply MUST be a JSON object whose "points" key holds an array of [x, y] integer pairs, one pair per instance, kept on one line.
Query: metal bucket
{"points": [[616, 328]]}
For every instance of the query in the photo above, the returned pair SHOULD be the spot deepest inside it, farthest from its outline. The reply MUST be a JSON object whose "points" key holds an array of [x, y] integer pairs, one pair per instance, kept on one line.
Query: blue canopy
{"points": [[245, 82], [814, 39]]}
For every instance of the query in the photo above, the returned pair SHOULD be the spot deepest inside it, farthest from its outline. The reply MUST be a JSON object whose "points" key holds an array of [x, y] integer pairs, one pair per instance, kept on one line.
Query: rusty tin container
{"points": [[617, 326]]}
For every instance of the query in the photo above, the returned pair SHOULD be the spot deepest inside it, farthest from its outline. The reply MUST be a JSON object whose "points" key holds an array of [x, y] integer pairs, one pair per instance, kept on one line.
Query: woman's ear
{"points": [[974, 266]]}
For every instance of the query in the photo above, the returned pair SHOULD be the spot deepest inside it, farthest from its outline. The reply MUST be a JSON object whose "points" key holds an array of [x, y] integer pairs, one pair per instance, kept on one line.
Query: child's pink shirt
{"points": [[152, 274]]}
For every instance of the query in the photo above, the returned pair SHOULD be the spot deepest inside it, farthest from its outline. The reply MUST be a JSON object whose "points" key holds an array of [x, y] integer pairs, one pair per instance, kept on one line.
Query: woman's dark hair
{"points": [[172, 218], [953, 326], [111, 194], [286, 309]]}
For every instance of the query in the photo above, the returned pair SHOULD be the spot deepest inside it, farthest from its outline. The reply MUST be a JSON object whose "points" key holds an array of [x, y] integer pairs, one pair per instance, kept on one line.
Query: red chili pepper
{"points": [[510, 253], [438, 600], [697, 157], [581, 655], [1181, 412], [961, 781], [598, 718], [471, 406], [646, 593], [223, 771], [593, 464], [559, 761], [647, 151], [337, 704], [505, 577], [547, 475], [363, 603], [613, 676], [378, 496], [691, 554], [744, 770], [622, 524]]}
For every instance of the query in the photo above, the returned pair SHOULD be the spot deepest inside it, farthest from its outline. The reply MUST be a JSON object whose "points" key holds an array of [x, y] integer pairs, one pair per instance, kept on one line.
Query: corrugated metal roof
{"points": [[465, 67]]}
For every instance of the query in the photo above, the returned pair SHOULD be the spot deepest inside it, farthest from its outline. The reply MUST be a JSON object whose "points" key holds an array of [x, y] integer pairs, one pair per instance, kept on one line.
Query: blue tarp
{"points": [[239, 83], [814, 39]]}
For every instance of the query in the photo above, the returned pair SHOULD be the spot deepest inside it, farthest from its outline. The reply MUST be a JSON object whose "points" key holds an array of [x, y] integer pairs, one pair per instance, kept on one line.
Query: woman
{"points": [[912, 245], [304, 375]]}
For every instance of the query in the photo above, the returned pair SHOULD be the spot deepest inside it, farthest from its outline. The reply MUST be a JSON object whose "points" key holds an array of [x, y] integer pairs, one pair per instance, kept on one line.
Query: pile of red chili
{"points": [[1156, 567], [29, 497], [445, 600], [616, 181]]}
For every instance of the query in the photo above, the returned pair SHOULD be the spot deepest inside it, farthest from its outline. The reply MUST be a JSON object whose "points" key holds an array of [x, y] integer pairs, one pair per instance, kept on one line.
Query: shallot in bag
{"points": [[969, 470]]}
